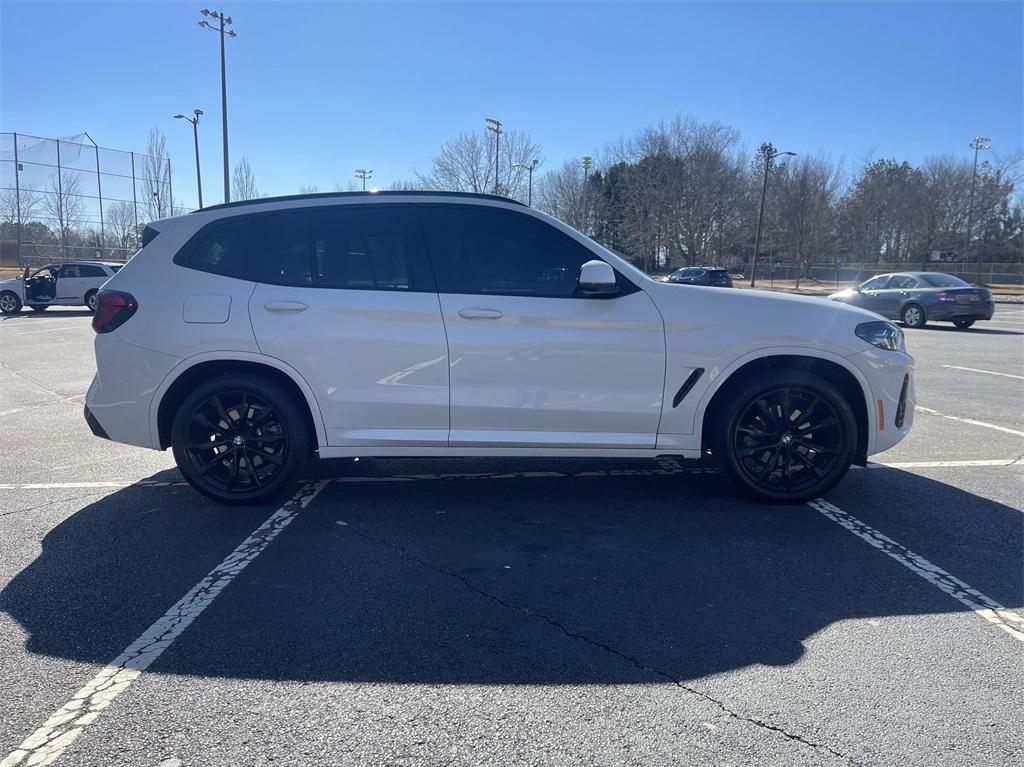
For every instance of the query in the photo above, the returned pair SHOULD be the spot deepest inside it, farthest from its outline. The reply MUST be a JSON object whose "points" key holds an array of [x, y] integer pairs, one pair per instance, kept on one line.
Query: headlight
{"points": [[884, 335]]}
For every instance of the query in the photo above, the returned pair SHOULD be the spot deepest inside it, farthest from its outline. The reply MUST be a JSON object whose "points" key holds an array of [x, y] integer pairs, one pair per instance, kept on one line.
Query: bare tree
{"points": [[808, 189], [314, 189], [63, 205], [120, 223], [560, 193], [29, 203], [156, 177], [243, 182], [466, 164]]}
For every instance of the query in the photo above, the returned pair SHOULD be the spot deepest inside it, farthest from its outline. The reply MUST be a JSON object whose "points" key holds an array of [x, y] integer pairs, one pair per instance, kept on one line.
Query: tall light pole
{"points": [[364, 174], [769, 155], [222, 23], [195, 136], [530, 167], [980, 142], [495, 127]]}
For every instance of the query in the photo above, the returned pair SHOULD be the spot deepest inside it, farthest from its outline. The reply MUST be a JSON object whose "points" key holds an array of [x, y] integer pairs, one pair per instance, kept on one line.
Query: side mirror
{"points": [[597, 279]]}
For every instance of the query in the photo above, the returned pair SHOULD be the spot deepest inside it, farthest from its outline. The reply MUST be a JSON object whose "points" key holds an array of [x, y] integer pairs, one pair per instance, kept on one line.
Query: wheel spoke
{"points": [[207, 445], [221, 412], [822, 449], [253, 468], [809, 463], [827, 423], [206, 423], [233, 475]]}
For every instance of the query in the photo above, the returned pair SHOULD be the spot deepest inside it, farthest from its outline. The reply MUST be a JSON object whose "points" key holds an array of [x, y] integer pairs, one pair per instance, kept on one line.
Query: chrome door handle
{"points": [[283, 307], [480, 313]]}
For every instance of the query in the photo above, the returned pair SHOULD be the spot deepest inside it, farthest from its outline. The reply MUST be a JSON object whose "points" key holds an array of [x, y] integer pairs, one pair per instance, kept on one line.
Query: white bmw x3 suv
{"points": [[251, 336]]}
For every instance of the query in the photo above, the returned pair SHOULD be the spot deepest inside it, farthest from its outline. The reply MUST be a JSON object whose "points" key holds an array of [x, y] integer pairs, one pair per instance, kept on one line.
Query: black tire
{"points": [[963, 324], [241, 438], [90, 301], [786, 437], [9, 302], [39, 307], [913, 316]]}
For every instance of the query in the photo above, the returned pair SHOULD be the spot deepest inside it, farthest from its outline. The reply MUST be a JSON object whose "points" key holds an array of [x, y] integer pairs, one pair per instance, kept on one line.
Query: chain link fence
{"points": [[991, 273], [67, 199]]}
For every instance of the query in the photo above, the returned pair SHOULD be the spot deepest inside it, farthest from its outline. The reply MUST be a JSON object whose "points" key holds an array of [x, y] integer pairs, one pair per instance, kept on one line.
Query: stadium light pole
{"points": [[495, 127], [195, 135], [222, 23], [587, 161], [768, 157], [980, 142], [530, 167], [364, 174]]}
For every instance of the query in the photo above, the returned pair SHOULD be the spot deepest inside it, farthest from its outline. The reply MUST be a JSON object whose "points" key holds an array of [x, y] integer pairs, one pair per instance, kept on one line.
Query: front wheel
{"points": [[9, 303], [39, 307], [787, 437], [241, 439], [963, 324]]}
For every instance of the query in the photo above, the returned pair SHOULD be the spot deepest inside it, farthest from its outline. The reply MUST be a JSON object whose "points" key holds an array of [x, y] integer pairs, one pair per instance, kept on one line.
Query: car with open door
{"points": [[72, 283], [251, 336], [916, 298]]}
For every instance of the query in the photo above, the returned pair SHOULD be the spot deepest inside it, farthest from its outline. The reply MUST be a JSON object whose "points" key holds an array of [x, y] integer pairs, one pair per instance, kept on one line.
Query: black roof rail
{"points": [[348, 195]]}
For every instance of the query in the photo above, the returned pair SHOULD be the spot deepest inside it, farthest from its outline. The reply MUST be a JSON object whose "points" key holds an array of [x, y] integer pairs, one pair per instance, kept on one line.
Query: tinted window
{"points": [[89, 270], [876, 283], [478, 250], [940, 280], [115, 269], [232, 248], [70, 271], [356, 248], [902, 282]]}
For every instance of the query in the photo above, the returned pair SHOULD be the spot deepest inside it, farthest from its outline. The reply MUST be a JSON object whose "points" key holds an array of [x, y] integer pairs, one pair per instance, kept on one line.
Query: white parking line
{"points": [[986, 607], [987, 372], [971, 421], [47, 743], [944, 464]]}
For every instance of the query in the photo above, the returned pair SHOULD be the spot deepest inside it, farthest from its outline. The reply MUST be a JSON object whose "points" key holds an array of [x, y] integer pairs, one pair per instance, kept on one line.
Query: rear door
{"points": [[71, 284], [891, 300], [534, 363], [346, 298]]}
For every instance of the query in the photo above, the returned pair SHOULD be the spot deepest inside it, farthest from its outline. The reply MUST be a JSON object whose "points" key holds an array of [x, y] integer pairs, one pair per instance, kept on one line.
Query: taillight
{"points": [[945, 296], [113, 309]]}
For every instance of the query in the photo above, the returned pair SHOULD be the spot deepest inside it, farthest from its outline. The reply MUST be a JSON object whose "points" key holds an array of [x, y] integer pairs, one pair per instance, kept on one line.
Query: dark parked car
{"points": [[915, 298], [702, 275]]}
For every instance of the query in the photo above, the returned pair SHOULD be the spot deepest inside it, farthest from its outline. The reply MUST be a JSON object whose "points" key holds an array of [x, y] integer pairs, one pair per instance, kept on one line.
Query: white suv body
{"points": [[430, 324]]}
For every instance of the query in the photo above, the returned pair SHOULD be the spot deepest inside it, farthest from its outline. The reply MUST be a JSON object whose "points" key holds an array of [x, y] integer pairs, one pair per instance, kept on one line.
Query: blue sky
{"points": [[319, 89]]}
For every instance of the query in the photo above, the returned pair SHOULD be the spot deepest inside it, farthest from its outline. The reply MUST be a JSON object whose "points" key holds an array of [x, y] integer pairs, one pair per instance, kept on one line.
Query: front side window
{"points": [[498, 252], [876, 283], [902, 282]]}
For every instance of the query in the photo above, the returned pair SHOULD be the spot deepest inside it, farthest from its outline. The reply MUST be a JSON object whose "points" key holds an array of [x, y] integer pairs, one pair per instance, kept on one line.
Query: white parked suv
{"points": [[250, 336], [73, 283]]}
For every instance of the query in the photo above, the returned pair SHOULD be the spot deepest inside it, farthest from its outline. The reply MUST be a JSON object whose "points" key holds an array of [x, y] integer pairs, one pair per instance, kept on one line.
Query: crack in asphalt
{"points": [[636, 663]]}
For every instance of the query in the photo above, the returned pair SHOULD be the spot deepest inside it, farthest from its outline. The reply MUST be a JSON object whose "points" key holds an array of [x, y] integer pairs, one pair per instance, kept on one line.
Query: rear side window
{"points": [[89, 270], [498, 252], [353, 248], [940, 280]]}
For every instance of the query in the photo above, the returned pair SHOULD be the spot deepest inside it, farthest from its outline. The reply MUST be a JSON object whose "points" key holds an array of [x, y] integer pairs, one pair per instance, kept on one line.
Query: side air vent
{"points": [[687, 385], [901, 407]]}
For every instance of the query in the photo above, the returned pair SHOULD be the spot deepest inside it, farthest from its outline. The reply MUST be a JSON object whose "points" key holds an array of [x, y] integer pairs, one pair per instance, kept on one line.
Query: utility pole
{"points": [[364, 174], [495, 127], [223, 22], [195, 136], [980, 142], [530, 167], [769, 155]]}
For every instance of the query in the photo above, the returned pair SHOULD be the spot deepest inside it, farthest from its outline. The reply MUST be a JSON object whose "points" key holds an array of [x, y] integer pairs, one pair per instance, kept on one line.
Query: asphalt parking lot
{"points": [[513, 612]]}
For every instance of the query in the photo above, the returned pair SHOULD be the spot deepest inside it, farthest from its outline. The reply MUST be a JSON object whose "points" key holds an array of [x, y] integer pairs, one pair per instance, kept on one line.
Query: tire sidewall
{"points": [[750, 391], [293, 420]]}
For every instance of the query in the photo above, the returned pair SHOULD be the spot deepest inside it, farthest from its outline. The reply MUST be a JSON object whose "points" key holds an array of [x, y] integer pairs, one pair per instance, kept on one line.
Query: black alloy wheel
{"points": [[240, 439], [789, 437]]}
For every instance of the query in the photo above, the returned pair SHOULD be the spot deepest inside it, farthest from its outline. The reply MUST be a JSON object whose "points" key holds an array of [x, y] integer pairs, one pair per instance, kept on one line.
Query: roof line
{"points": [[348, 195]]}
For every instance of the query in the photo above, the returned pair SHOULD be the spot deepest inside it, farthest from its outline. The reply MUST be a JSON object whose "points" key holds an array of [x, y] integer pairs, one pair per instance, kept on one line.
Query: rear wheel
{"points": [[787, 437], [963, 324], [9, 303], [90, 300], [913, 316], [241, 439]]}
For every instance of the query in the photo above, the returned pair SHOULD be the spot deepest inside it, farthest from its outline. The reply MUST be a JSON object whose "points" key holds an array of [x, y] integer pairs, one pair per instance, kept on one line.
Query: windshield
{"points": [[939, 280]]}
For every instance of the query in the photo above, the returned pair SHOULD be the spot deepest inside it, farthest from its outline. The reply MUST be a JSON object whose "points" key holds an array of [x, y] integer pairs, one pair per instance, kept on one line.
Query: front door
{"points": [[71, 285], [871, 293], [533, 363], [347, 299]]}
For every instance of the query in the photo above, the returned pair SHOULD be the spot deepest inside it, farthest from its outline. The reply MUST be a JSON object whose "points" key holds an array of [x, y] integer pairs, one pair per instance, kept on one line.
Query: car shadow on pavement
{"points": [[513, 577], [27, 313]]}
